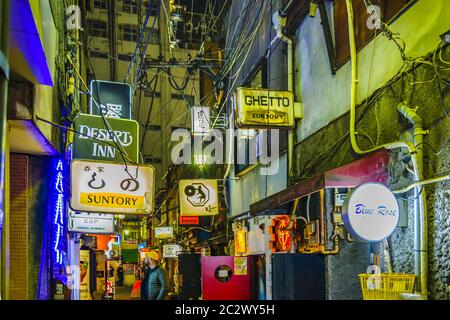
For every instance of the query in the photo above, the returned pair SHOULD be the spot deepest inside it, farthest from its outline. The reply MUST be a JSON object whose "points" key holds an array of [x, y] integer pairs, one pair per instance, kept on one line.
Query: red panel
{"points": [[238, 288]]}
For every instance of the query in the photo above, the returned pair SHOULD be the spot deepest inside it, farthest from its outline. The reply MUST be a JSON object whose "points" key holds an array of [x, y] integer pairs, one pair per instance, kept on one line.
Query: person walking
{"points": [[154, 286]]}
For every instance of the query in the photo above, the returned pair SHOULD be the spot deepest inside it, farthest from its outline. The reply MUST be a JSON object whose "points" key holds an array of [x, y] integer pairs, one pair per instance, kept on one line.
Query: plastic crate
{"points": [[386, 286]]}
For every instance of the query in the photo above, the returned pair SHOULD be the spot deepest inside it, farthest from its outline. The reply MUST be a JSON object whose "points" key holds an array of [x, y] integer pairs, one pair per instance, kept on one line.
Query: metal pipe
{"points": [[4, 48], [335, 237], [420, 208], [416, 157], [421, 183]]}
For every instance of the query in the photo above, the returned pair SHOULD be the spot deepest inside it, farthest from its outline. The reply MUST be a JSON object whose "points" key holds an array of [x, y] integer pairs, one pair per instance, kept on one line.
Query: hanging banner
{"points": [[200, 116], [84, 275], [114, 99], [97, 140], [198, 197], [112, 187], [264, 108], [93, 223]]}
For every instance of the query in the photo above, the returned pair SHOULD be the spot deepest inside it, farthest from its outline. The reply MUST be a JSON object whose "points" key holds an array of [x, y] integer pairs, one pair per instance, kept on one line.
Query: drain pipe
{"points": [[422, 272], [420, 220], [279, 21]]}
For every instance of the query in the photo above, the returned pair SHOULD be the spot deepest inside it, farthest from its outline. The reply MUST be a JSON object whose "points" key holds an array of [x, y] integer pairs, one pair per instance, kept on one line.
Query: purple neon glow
{"points": [[25, 38]]}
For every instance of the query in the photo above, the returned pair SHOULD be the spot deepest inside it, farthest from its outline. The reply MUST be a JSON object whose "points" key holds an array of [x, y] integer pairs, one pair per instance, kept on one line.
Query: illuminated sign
{"points": [[240, 242], [264, 108], [282, 235], [371, 212], [113, 98], [188, 220], [93, 139], [199, 197], [94, 223], [171, 250], [112, 187], [58, 216], [163, 232]]}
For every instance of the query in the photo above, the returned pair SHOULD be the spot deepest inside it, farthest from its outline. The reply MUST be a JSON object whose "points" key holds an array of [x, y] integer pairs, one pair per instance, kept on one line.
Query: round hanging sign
{"points": [[371, 212]]}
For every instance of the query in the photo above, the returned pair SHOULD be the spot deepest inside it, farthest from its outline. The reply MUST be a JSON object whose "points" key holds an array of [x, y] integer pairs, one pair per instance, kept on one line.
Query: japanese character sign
{"points": [[110, 187]]}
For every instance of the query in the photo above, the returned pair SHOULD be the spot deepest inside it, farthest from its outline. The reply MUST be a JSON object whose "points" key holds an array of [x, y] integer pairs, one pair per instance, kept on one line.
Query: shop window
{"points": [[364, 27], [98, 28], [129, 32]]}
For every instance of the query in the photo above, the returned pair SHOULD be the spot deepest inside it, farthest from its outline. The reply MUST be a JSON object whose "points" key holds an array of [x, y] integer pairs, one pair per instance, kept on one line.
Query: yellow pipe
{"points": [[421, 271]]}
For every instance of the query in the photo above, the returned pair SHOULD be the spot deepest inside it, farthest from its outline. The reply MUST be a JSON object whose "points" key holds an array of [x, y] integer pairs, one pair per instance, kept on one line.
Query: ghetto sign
{"points": [[112, 187], [198, 197]]}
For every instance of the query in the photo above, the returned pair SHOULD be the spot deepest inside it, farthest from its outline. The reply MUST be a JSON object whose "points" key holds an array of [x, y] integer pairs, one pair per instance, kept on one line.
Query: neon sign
{"points": [[58, 218], [282, 236]]}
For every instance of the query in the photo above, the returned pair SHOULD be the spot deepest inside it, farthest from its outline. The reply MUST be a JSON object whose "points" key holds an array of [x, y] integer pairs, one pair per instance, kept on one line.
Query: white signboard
{"points": [[371, 212], [163, 232], [200, 120], [171, 250], [93, 223], [199, 197], [112, 187]]}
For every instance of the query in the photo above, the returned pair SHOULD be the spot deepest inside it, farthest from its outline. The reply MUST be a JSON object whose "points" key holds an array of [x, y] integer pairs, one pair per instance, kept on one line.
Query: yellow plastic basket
{"points": [[386, 286]]}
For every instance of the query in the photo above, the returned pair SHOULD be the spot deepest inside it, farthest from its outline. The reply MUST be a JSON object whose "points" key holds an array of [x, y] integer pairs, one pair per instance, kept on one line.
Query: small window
{"points": [[125, 57], [129, 33], [98, 54], [152, 36], [177, 128], [190, 100], [152, 160], [153, 127], [129, 6], [149, 93], [100, 4], [98, 28]]}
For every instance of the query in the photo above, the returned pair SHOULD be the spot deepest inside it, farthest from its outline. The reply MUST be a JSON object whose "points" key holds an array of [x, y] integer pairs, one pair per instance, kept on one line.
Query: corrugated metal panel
{"points": [[19, 227]]}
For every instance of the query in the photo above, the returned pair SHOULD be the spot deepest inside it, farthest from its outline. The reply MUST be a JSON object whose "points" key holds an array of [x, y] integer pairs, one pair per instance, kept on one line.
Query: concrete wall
{"points": [[326, 97], [323, 131]]}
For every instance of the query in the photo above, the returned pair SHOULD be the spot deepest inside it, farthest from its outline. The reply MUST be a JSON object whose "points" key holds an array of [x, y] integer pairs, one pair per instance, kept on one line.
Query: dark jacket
{"points": [[154, 286]]}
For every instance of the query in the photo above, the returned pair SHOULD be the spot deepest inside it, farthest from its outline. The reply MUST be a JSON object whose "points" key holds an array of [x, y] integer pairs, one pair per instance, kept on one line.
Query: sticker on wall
{"points": [[240, 266]]}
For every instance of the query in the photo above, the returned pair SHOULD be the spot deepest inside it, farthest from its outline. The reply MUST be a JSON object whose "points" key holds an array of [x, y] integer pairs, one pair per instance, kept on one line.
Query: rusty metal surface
{"points": [[372, 168]]}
